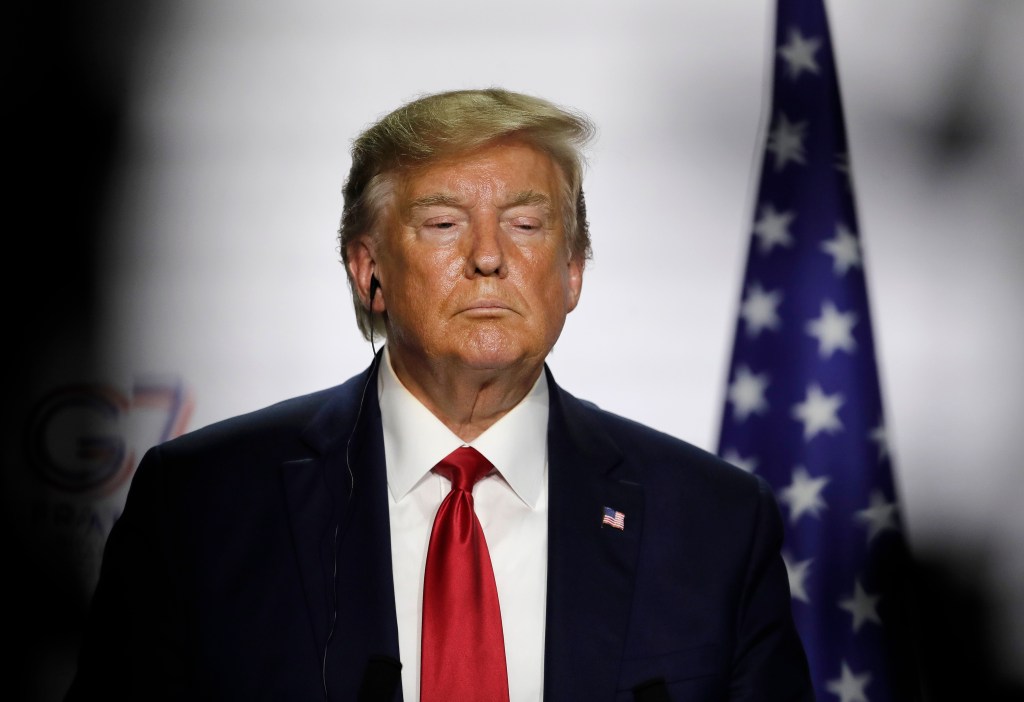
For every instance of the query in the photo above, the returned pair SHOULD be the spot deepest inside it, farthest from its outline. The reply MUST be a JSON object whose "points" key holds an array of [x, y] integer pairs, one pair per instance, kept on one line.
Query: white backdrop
{"points": [[222, 265]]}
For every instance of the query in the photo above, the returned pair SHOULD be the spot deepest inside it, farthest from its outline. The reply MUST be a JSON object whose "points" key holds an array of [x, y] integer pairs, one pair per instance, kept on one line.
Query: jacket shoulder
{"points": [[664, 458], [275, 429]]}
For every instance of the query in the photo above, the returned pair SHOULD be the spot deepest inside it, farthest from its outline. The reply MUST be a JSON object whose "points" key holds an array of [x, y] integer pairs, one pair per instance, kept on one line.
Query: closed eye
{"points": [[526, 226]]}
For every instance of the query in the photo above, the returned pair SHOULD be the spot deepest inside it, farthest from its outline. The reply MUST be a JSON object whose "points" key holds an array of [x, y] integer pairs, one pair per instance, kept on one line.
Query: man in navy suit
{"points": [[281, 555]]}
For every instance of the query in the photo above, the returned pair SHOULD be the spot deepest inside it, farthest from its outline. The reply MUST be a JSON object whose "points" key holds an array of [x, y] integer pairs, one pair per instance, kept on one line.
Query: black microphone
{"points": [[380, 680]]}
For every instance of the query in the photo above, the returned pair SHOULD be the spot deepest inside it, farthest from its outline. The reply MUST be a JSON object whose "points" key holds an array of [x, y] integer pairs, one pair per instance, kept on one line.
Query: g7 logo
{"points": [[79, 435]]}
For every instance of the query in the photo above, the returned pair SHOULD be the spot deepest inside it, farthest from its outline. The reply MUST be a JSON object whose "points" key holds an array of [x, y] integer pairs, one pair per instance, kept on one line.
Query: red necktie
{"points": [[463, 650]]}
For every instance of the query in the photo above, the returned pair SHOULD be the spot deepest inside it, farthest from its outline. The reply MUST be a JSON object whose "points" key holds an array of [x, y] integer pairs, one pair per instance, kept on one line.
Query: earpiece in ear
{"points": [[374, 287]]}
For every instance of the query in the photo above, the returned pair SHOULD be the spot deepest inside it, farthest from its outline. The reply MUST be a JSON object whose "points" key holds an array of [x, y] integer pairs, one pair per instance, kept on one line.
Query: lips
{"points": [[487, 306], [487, 303]]}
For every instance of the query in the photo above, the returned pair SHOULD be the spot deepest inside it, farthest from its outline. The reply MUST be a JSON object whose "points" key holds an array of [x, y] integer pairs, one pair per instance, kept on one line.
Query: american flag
{"points": [[614, 518], [803, 405]]}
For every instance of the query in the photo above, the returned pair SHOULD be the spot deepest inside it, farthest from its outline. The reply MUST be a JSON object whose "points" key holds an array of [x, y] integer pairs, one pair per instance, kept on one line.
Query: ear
{"points": [[362, 266], [575, 282]]}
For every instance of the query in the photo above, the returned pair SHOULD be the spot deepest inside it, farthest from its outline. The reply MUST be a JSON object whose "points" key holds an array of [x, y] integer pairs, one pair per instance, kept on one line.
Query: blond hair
{"points": [[436, 126]]}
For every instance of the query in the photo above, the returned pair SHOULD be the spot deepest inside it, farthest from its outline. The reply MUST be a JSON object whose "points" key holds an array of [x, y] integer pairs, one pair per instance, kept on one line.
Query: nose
{"points": [[486, 255]]}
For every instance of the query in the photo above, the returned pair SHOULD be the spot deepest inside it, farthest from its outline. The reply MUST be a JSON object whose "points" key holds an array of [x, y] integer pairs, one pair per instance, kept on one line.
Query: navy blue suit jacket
{"points": [[252, 562]]}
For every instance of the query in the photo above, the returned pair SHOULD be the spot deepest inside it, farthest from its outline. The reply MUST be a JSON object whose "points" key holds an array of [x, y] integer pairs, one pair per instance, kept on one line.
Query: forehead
{"points": [[497, 170]]}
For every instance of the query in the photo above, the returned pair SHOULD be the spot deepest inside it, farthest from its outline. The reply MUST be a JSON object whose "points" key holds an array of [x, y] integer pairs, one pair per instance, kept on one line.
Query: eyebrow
{"points": [[521, 199], [434, 200], [529, 197]]}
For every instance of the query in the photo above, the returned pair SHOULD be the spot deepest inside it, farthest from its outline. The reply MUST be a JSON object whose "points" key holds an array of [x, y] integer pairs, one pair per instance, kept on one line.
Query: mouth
{"points": [[486, 307]]}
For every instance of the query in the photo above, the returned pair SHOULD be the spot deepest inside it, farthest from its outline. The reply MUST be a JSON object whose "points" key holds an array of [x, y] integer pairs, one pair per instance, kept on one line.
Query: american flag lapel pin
{"points": [[614, 518]]}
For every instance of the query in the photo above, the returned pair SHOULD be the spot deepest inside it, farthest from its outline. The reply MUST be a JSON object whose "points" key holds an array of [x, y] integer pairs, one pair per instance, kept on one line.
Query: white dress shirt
{"points": [[511, 504]]}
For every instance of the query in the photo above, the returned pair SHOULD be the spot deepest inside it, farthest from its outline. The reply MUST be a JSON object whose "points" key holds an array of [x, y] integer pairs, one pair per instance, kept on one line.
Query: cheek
{"points": [[549, 275], [429, 280], [447, 270]]}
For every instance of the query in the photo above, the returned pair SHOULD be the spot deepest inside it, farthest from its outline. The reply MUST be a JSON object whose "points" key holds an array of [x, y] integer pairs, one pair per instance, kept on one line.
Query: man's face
{"points": [[473, 264]]}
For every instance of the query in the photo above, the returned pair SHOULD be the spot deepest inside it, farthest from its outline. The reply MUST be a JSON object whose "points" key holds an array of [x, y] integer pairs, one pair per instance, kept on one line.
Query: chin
{"points": [[491, 349], [491, 359]]}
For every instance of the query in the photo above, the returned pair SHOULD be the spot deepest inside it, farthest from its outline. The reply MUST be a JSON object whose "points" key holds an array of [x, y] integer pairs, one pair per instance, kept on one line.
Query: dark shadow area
{"points": [[957, 623], [67, 71]]}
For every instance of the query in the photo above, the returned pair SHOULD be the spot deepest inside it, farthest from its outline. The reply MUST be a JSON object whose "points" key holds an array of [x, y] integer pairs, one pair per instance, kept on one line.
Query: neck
{"points": [[468, 401]]}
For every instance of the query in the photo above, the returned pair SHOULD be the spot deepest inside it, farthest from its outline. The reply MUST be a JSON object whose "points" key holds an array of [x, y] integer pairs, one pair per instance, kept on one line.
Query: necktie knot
{"points": [[464, 467]]}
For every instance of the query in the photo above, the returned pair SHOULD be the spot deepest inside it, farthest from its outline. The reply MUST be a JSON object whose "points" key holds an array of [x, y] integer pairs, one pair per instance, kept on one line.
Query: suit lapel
{"points": [[591, 566], [343, 489], [340, 525]]}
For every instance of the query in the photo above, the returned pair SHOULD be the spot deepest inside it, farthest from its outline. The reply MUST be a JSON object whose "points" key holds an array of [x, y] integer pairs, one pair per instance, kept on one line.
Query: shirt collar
{"points": [[415, 440]]}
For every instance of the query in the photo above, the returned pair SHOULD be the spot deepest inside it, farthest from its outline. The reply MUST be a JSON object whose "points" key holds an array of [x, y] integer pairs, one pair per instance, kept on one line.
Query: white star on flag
{"points": [[879, 516], [844, 250], [798, 572], [760, 309], [803, 495], [849, 687], [798, 53], [786, 141], [843, 165], [746, 393], [772, 229], [747, 463], [863, 607], [833, 330], [803, 320], [818, 412]]}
